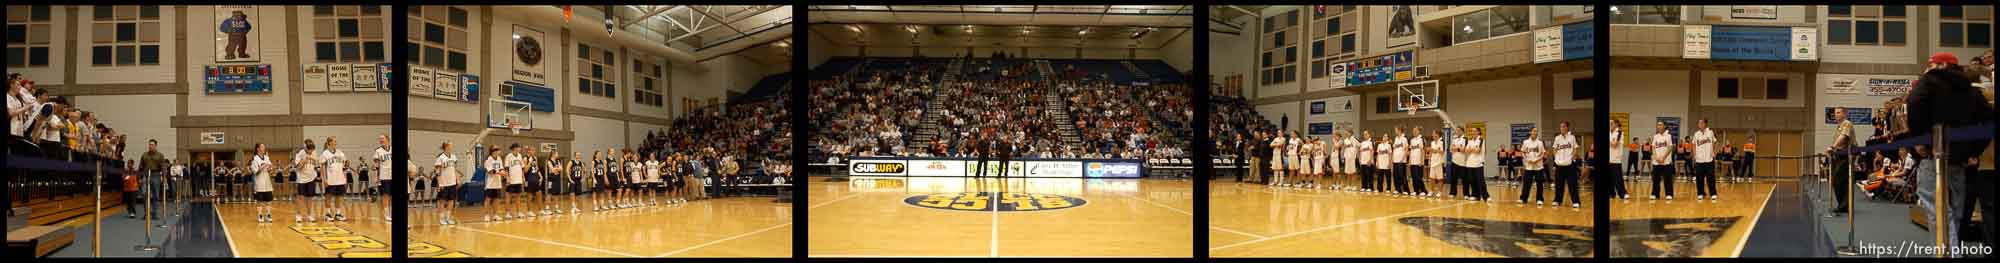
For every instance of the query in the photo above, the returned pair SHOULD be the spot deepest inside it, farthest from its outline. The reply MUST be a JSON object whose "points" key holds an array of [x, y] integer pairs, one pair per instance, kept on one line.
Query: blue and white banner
{"points": [[1752, 43]]}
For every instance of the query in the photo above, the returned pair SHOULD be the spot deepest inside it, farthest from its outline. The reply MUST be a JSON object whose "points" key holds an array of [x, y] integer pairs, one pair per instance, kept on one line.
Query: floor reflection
{"points": [[1509, 238], [1667, 237]]}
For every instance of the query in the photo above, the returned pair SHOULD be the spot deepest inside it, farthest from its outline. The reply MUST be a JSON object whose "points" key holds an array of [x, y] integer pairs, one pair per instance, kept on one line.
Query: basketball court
{"points": [[1013, 217], [1252, 220]]}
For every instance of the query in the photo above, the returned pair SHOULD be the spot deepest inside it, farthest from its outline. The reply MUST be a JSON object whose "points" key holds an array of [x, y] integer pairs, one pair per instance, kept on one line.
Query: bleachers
{"points": [[766, 88], [835, 66], [1160, 71]]}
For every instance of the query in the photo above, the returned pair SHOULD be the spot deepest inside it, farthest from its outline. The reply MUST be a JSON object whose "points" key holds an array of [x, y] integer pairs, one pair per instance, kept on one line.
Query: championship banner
{"points": [[446, 86], [529, 56], [236, 33], [340, 78], [937, 168], [315, 77], [471, 92], [420, 80], [365, 78]]}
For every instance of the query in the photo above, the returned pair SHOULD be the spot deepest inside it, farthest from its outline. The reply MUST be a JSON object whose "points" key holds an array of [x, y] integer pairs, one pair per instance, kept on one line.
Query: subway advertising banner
{"points": [[1049, 168]]}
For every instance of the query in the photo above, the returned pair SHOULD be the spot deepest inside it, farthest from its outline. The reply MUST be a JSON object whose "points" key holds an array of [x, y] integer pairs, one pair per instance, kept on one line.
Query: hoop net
{"points": [[514, 126]]}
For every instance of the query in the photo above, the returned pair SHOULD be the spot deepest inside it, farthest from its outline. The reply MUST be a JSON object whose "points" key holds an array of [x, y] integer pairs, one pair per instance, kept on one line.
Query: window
{"points": [[1472, 26], [1727, 88], [1347, 44], [1867, 25], [1319, 48], [1581, 89], [597, 71], [1965, 26], [1284, 34], [1382, 105], [1777, 89], [125, 35], [1332, 41], [1646, 14], [1510, 19], [647, 76], [438, 37], [351, 34], [28, 36]]}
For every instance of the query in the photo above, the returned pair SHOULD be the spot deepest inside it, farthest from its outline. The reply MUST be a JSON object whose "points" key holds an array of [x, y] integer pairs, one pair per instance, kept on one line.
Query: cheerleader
{"points": [[447, 182], [1532, 154], [262, 166]]}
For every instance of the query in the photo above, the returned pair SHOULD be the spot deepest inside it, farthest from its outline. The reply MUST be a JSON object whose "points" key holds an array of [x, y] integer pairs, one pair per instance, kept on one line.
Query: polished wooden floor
{"points": [[726, 227], [1686, 227], [1254, 220], [365, 235], [867, 217]]}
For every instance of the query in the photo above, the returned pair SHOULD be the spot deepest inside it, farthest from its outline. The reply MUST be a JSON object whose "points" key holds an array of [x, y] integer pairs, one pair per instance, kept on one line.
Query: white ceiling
{"points": [[710, 31], [1092, 26]]}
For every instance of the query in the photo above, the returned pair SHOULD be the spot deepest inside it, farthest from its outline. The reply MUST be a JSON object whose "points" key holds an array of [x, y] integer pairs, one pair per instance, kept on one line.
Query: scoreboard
{"points": [[238, 79]]}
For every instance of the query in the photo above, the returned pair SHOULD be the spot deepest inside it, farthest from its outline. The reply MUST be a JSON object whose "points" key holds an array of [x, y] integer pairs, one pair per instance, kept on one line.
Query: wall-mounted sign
{"points": [[315, 77], [529, 59], [1860, 116], [235, 34], [1695, 41], [420, 80], [1756, 43], [1889, 87], [1519, 132], [366, 78], [339, 77], [1753, 11], [1548, 44], [1579, 40], [213, 138]]}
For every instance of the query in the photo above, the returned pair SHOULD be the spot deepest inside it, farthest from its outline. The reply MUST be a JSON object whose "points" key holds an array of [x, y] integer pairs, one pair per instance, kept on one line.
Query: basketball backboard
{"points": [[1420, 95], [500, 112]]}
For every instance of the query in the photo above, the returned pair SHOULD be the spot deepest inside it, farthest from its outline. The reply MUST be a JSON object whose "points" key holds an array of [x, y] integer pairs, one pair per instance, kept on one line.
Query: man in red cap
{"points": [[1943, 95]]}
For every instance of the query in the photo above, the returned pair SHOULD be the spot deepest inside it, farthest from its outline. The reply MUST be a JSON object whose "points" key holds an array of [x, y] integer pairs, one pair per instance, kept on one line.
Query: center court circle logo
{"points": [[992, 201]]}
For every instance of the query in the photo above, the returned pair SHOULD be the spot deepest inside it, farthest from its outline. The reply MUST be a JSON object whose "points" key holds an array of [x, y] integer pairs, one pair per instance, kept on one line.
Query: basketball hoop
{"points": [[514, 126], [1412, 105]]}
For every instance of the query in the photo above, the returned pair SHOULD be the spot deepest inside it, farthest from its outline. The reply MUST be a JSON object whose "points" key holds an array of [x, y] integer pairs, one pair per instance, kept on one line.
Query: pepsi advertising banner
{"points": [[1129, 169]]}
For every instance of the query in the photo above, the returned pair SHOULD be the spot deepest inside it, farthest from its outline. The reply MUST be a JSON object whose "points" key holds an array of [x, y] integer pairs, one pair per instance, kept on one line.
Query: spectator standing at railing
{"points": [[1945, 95], [151, 164]]}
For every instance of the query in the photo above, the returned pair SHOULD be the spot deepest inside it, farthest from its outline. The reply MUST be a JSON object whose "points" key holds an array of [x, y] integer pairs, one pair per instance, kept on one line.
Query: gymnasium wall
{"points": [[1178, 53], [424, 149], [597, 134], [1648, 95], [559, 63], [52, 74], [358, 141], [1234, 55], [1498, 103]]}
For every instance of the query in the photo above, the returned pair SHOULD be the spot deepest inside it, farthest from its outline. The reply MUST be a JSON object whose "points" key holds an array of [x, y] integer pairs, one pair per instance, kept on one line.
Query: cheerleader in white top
{"points": [[306, 162], [1349, 148], [335, 162], [383, 178], [1414, 158], [1383, 174], [1365, 161], [447, 182]]}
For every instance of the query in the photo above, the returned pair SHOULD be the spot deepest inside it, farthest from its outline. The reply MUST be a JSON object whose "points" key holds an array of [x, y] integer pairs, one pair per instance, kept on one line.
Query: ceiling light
{"points": [[517, 36], [854, 28], [1614, 10], [783, 44]]}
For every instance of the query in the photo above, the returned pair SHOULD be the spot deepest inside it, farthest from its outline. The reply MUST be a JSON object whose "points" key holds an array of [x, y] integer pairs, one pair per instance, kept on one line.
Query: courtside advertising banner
{"points": [[1055, 169], [1112, 169], [878, 167], [937, 168]]}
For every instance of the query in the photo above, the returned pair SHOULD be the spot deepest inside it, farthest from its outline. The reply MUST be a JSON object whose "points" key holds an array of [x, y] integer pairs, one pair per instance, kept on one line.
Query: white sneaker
{"points": [[298, 218], [1538, 202], [1670, 197]]}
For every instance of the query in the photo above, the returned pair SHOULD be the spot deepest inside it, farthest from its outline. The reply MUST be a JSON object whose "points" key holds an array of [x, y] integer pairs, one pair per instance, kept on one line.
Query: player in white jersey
{"points": [[1297, 160], [1475, 163], [1278, 160], [383, 178], [1399, 172], [496, 172], [1704, 160], [335, 162], [306, 162], [1663, 171], [1349, 148], [1534, 153], [447, 183], [1434, 161], [517, 179], [1616, 174], [262, 166], [1365, 156], [652, 185], [1384, 174], [1414, 158], [1567, 176], [1317, 166]]}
